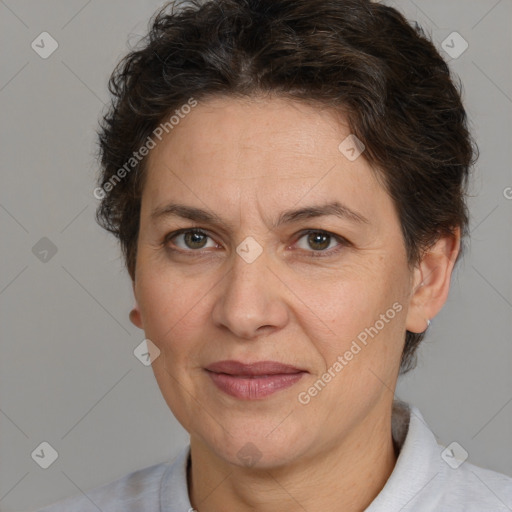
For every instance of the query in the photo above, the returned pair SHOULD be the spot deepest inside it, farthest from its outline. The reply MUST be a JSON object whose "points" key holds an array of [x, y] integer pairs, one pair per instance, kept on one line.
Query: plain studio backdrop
{"points": [[69, 376]]}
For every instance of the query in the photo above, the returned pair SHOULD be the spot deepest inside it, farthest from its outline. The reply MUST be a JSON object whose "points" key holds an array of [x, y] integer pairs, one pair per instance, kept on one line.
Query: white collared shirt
{"points": [[427, 477]]}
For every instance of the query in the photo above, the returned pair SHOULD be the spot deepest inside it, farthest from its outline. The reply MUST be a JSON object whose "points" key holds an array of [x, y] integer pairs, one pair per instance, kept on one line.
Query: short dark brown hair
{"points": [[359, 58]]}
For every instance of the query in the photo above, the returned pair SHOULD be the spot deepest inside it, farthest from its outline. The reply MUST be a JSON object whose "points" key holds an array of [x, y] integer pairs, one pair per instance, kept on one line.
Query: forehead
{"points": [[277, 149], [262, 128]]}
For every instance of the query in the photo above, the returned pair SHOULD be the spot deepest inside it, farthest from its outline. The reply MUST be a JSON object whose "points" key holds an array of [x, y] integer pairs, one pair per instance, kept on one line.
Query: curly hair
{"points": [[356, 57]]}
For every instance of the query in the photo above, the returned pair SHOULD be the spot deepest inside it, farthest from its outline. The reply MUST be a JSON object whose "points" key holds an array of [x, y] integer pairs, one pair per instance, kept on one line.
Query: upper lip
{"points": [[251, 369]]}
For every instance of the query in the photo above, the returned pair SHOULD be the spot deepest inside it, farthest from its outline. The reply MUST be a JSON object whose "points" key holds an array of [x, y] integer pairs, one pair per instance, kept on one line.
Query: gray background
{"points": [[68, 373]]}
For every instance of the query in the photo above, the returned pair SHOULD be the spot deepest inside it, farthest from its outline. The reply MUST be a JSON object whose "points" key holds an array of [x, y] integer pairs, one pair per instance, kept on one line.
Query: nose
{"points": [[251, 301]]}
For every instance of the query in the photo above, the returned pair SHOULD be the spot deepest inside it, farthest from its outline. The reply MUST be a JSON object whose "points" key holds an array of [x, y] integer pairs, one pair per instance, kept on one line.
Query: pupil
{"points": [[314, 239], [193, 237]]}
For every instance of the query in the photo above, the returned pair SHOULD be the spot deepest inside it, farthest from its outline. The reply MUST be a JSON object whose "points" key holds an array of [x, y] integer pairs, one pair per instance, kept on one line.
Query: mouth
{"points": [[253, 381]]}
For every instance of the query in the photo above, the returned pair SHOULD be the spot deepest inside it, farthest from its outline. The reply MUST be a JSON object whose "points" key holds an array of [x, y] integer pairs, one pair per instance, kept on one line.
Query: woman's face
{"points": [[325, 294]]}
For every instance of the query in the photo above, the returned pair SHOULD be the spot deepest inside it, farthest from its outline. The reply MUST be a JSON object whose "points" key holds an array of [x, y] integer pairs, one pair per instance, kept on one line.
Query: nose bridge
{"points": [[250, 299]]}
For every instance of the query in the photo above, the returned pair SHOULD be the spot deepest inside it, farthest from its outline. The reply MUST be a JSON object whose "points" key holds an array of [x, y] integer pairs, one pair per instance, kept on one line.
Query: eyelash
{"points": [[343, 242]]}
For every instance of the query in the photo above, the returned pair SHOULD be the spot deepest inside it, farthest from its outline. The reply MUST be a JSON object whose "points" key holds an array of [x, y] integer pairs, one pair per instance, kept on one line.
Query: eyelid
{"points": [[178, 232], [342, 241]]}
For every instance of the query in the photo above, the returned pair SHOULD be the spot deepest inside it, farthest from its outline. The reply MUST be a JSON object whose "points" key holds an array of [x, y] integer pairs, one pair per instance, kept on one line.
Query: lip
{"points": [[257, 368], [253, 381]]}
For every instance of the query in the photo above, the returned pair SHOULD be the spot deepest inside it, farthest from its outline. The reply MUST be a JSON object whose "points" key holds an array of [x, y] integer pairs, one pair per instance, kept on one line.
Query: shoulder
{"points": [[133, 492], [473, 489], [429, 476]]}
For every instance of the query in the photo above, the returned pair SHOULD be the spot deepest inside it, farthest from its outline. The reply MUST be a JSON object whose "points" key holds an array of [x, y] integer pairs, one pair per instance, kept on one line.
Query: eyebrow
{"points": [[287, 217]]}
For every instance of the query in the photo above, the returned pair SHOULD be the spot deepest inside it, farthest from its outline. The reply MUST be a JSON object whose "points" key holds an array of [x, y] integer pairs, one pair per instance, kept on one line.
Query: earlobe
{"points": [[135, 315], [431, 283]]}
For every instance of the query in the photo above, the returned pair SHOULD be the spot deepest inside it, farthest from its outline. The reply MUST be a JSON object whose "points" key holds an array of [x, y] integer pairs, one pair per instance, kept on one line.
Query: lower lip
{"points": [[254, 388]]}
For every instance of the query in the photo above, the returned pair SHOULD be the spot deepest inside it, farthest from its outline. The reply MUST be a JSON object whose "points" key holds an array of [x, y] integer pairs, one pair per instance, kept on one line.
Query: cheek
{"points": [[341, 298], [332, 306], [363, 305], [165, 303]]}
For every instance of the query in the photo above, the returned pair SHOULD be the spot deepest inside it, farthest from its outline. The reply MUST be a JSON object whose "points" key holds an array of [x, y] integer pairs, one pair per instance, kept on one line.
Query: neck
{"points": [[346, 476]]}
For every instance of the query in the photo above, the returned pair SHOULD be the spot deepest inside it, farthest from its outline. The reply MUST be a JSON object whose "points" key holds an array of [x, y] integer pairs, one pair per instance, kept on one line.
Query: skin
{"points": [[247, 161]]}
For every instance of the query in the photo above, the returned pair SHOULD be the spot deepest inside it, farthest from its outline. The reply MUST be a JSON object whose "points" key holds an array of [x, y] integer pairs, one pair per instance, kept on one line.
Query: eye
{"points": [[320, 241], [193, 239]]}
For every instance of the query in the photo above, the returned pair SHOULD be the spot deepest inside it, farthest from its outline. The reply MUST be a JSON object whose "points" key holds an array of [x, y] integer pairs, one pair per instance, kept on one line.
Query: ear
{"points": [[135, 315], [431, 282]]}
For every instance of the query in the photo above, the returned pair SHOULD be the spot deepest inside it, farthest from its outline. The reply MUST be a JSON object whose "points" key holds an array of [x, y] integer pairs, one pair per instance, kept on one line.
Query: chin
{"points": [[265, 449]]}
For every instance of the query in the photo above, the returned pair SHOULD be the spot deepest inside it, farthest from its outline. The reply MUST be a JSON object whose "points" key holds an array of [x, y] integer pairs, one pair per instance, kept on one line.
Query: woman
{"points": [[287, 180]]}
